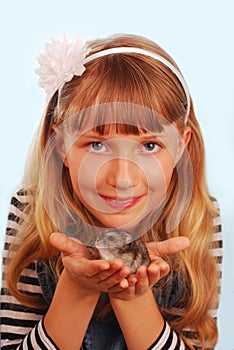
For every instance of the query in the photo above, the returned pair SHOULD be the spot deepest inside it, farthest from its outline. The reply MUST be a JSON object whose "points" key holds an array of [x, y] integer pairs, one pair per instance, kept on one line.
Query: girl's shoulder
{"points": [[18, 209], [20, 199], [20, 203]]}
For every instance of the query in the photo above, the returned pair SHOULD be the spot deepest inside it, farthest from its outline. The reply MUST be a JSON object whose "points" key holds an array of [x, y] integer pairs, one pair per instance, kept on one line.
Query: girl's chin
{"points": [[127, 224]]}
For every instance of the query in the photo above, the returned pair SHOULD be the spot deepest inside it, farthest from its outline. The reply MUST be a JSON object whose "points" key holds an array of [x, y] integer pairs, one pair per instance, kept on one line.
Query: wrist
{"points": [[133, 301], [75, 288]]}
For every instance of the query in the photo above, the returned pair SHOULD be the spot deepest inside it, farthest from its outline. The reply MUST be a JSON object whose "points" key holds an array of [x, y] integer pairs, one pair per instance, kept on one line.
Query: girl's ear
{"points": [[60, 147], [184, 141], [187, 135]]}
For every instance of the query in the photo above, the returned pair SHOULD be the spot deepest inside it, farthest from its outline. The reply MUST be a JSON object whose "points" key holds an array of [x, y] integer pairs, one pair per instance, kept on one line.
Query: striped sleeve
{"points": [[21, 327], [169, 339]]}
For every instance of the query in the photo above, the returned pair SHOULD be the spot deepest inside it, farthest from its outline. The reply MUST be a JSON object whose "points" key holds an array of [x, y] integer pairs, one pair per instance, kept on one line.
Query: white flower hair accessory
{"points": [[60, 62], [63, 59]]}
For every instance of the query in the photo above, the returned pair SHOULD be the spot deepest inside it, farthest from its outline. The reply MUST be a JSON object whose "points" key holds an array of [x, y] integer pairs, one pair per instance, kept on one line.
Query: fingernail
{"points": [[124, 284]]}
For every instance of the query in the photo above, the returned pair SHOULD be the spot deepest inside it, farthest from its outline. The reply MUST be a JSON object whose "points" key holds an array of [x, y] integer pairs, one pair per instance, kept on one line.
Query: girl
{"points": [[119, 147]]}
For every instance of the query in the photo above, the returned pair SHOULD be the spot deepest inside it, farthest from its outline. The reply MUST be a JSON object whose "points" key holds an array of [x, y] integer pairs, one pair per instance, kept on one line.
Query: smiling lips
{"points": [[121, 203]]}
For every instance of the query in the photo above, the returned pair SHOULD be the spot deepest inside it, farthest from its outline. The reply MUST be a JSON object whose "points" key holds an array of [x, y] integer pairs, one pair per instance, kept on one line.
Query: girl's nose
{"points": [[122, 174]]}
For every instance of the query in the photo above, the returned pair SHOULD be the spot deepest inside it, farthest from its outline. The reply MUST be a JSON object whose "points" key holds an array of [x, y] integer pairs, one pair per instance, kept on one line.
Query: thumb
{"points": [[66, 245], [170, 246]]}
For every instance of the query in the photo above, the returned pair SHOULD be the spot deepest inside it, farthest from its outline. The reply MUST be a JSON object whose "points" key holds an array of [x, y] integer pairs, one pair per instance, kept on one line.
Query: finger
{"points": [[113, 287], [157, 270], [170, 246], [128, 290], [117, 271], [76, 256], [164, 268], [67, 245], [119, 287], [158, 264], [91, 268], [142, 280], [85, 268], [108, 281], [154, 275]]}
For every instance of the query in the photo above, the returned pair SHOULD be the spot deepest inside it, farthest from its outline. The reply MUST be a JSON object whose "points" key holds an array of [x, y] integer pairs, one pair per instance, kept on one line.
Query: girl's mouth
{"points": [[120, 203]]}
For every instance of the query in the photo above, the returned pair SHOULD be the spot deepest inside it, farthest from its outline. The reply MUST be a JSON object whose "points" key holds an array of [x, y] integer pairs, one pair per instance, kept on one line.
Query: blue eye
{"points": [[97, 147], [111, 238], [150, 147]]}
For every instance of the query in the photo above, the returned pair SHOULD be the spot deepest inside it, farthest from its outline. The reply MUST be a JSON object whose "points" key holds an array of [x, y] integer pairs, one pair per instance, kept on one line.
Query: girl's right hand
{"points": [[93, 275]]}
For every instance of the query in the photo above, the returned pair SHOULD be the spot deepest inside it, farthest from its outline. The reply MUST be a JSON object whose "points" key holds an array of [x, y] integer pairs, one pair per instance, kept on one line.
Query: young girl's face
{"points": [[120, 178]]}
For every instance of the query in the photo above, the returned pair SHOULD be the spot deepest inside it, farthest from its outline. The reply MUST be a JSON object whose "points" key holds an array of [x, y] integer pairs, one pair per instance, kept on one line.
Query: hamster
{"points": [[114, 243]]}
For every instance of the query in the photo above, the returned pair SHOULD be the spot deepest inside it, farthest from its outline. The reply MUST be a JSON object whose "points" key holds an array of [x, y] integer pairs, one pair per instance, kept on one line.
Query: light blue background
{"points": [[198, 34]]}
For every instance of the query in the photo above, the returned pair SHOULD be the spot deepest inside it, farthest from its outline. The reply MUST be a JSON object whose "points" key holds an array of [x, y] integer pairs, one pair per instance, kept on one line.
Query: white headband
{"points": [[62, 60]]}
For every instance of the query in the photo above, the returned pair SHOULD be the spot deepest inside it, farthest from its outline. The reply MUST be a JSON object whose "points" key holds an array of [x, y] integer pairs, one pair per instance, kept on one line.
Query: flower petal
{"points": [[60, 61]]}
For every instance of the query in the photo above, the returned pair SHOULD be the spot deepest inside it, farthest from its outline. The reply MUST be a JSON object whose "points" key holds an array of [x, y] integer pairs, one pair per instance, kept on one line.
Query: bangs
{"points": [[122, 117], [119, 128]]}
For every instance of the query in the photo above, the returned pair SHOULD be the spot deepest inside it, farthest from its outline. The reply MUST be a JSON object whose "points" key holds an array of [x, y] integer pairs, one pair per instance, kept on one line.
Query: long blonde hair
{"points": [[128, 78]]}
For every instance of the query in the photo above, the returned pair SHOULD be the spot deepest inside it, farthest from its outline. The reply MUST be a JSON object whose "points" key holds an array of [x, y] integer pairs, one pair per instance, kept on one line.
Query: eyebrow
{"points": [[157, 136], [91, 136], [145, 137]]}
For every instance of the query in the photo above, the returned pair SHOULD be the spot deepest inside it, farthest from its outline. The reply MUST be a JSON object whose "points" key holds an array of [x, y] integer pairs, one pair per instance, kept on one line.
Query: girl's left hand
{"points": [[145, 277]]}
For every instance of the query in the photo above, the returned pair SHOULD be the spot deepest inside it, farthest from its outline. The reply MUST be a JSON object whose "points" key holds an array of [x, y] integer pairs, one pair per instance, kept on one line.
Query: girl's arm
{"points": [[69, 314], [137, 312], [140, 320], [78, 290]]}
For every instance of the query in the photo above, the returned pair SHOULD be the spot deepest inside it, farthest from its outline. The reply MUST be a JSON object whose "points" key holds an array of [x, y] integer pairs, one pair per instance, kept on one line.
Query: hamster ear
{"points": [[184, 142], [60, 147]]}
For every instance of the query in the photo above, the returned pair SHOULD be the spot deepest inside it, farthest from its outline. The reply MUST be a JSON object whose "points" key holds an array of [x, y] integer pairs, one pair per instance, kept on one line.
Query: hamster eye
{"points": [[111, 238]]}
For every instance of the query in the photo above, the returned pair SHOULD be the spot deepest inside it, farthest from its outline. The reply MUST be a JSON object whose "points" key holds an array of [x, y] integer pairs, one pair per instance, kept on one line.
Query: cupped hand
{"points": [[146, 277], [96, 275]]}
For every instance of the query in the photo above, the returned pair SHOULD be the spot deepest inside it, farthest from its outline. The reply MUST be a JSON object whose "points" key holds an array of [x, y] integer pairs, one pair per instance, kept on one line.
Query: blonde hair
{"points": [[141, 80]]}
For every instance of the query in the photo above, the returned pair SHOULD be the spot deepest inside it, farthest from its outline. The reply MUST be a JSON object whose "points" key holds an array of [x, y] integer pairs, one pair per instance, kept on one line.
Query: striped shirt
{"points": [[22, 327]]}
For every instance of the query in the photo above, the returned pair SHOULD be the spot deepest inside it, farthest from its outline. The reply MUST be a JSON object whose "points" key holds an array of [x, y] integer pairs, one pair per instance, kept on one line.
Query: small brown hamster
{"points": [[116, 243]]}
